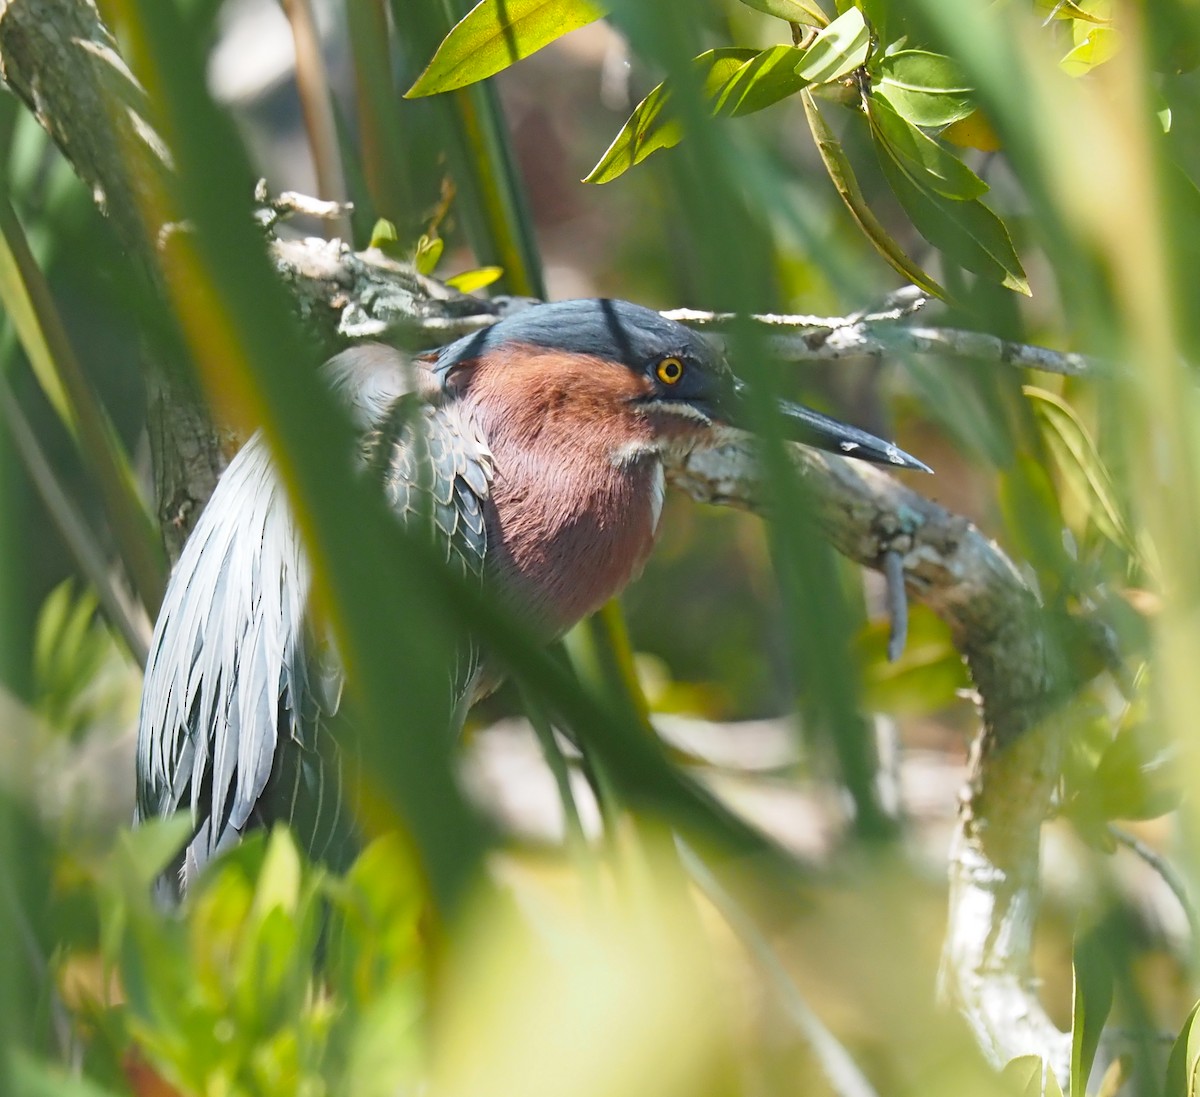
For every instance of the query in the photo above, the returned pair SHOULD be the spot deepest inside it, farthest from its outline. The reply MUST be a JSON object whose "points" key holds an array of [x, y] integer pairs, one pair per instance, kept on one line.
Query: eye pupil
{"points": [[670, 370]]}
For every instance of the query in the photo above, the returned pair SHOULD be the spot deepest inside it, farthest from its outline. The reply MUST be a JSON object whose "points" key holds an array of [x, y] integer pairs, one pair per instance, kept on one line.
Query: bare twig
{"points": [[312, 81], [881, 334], [1170, 875]]}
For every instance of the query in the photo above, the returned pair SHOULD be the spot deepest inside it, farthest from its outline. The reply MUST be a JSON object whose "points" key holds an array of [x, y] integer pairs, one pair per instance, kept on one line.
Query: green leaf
{"points": [[652, 126], [383, 234], [1093, 979], [793, 11], [1081, 467], [279, 880], [1137, 776], [429, 251], [471, 280], [496, 33], [1032, 1076], [1185, 1054], [762, 81], [968, 233], [841, 173], [1097, 46], [929, 164], [927, 89], [838, 50]]}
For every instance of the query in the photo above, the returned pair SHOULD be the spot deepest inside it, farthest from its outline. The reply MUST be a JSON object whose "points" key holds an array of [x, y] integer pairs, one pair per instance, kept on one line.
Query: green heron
{"points": [[536, 447]]}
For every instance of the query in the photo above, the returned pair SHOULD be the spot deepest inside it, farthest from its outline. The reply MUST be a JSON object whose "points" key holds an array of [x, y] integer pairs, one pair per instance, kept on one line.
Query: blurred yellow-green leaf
{"points": [[471, 280]]}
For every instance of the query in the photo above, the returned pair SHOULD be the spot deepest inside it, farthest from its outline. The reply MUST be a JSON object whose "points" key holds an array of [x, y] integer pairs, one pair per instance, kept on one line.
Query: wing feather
{"points": [[239, 690]]}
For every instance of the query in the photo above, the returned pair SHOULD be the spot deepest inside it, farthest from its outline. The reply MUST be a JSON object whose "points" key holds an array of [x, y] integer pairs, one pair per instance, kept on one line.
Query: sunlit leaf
{"points": [[838, 50], [428, 253], [653, 126], [841, 174], [279, 879], [496, 33], [927, 89], [968, 233], [1185, 1057], [471, 280], [761, 82], [1081, 467], [794, 11], [1032, 1077], [930, 165], [1093, 997], [1098, 46]]}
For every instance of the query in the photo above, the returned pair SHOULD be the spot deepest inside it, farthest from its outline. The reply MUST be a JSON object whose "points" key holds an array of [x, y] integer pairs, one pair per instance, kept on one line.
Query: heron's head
{"points": [[616, 370]]}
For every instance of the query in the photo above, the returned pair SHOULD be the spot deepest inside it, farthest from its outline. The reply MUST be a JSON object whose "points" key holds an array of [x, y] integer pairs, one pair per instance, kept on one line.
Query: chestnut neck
{"points": [[577, 485]]}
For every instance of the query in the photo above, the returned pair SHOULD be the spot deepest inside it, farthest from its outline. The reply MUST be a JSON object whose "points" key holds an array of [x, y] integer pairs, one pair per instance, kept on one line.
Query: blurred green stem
{"points": [[27, 299], [80, 540], [381, 133], [493, 205]]}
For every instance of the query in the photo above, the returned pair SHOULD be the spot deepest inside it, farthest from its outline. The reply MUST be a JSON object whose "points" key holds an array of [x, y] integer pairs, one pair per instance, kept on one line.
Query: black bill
{"points": [[814, 429]]}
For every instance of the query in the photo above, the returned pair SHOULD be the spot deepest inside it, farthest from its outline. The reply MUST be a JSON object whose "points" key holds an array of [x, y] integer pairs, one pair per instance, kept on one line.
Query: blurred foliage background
{"points": [[1031, 163]]}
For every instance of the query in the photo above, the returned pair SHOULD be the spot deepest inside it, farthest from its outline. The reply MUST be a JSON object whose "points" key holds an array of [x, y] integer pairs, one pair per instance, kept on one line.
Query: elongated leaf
{"points": [[841, 173], [652, 126], [927, 89], [471, 280], [969, 233], [807, 12], [1081, 467], [761, 82], [929, 164], [1093, 978], [1185, 1055], [494, 34], [838, 50]]}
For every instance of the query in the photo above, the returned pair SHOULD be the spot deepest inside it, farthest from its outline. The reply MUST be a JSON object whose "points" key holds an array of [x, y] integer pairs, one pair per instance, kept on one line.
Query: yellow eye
{"points": [[669, 370]]}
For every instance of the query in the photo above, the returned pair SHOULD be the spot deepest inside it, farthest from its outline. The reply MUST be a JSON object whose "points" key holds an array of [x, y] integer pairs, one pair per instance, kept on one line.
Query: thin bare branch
{"points": [[312, 81]]}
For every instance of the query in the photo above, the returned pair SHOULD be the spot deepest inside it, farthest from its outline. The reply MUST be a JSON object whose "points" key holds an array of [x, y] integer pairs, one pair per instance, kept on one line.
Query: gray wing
{"points": [[239, 689]]}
